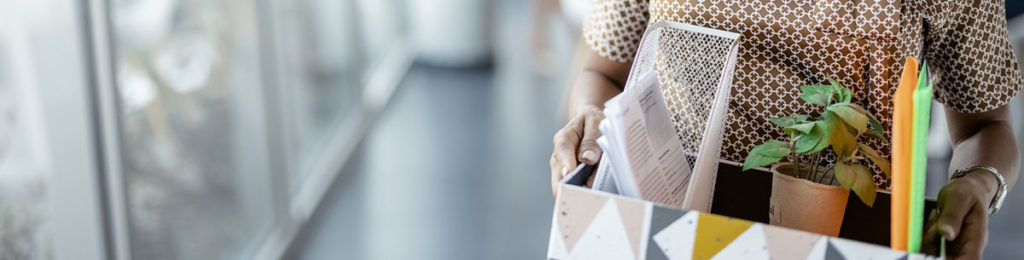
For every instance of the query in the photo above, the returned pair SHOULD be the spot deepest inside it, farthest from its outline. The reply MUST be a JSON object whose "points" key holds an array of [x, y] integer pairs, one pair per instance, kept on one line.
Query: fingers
{"points": [[970, 242], [566, 142], [558, 169], [563, 156], [930, 240], [575, 143], [953, 207], [556, 175], [589, 151]]}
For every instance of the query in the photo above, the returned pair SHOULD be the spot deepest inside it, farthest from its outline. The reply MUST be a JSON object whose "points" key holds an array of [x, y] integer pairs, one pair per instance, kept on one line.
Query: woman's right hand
{"points": [[576, 143]]}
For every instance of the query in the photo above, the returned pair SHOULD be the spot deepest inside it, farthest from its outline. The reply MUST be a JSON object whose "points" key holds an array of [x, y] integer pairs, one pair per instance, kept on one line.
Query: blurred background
{"points": [[307, 129]]}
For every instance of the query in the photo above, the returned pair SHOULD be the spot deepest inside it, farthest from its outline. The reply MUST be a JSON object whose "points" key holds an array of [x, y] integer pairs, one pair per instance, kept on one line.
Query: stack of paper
{"points": [[670, 154], [644, 152], [909, 155]]}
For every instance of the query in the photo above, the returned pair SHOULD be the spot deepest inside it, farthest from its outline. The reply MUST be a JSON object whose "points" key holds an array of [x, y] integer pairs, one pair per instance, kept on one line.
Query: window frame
{"points": [[101, 149]]}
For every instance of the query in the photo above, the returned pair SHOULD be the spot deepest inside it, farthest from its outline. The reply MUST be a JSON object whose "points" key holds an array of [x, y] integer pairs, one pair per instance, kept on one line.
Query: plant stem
{"points": [[818, 172], [817, 159], [814, 166], [822, 178], [794, 157]]}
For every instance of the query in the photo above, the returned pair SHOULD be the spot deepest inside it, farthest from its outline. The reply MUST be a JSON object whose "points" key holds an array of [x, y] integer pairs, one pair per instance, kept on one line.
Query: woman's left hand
{"points": [[961, 217]]}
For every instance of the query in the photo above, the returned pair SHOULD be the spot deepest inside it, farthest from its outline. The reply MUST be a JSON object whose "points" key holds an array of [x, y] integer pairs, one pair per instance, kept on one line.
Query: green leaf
{"points": [[876, 158], [852, 117], [876, 124], [857, 178], [788, 121], [765, 154], [814, 141], [845, 174], [842, 93], [805, 143], [876, 135], [865, 186], [843, 142], [804, 127], [826, 133], [816, 94]]}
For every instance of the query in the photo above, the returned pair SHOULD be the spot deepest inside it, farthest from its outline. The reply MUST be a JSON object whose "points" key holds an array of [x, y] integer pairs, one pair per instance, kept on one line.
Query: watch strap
{"points": [[997, 201]]}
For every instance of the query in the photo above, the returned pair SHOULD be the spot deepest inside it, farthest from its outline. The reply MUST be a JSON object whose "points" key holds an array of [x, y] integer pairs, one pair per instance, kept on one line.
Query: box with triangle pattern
{"points": [[591, 224]]}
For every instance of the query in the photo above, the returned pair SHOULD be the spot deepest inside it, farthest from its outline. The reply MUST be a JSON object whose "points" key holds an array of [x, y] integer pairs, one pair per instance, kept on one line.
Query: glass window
{"points": [[49, 194], [381, 24], [24, 162], [316, 69], [193, 129]]}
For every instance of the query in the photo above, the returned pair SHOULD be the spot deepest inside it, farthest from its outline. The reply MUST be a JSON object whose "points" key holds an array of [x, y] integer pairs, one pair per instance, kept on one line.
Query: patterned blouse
{"points": [[789, 43]]}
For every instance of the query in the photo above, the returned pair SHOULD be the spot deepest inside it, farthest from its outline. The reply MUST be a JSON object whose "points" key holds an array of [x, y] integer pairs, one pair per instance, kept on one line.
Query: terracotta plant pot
{"points": [[801, 204]]}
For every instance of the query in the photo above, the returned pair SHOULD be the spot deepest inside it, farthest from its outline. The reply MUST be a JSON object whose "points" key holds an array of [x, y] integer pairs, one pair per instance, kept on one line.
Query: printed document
{"points": [[646, 155]]}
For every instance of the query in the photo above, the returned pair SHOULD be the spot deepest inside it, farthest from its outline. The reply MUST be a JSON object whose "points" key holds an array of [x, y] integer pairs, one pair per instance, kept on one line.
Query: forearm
{"points": [[591, 88], [600, 80], [993, 145]]}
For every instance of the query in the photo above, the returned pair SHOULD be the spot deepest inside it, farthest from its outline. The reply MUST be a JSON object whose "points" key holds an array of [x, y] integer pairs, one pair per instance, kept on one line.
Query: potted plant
{"points": [[804, 191]]}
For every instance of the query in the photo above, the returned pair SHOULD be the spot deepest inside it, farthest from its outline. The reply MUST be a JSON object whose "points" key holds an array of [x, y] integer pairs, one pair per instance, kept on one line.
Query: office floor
{"points": [[456, 166]]}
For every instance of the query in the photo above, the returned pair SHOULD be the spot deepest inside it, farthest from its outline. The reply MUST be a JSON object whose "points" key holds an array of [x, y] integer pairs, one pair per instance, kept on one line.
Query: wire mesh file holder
{"points": [[695, 68]]}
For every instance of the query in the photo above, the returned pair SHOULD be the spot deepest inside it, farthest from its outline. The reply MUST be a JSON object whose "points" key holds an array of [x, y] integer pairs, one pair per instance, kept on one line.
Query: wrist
{"points": [[584, 108], [992, 187], [985, 182]]}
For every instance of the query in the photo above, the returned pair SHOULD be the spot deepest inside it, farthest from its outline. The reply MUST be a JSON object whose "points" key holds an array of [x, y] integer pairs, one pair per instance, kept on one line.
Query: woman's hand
{"points": [[961, 217], [576, 143], [979, 139]]}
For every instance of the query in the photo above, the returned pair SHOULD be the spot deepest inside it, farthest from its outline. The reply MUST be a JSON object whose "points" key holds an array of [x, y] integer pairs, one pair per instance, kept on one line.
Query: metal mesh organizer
{"points": [[694, 66]]}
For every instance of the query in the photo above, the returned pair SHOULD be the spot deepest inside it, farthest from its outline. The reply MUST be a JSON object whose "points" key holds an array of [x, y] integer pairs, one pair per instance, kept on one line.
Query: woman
{"points": [[789, 43]]}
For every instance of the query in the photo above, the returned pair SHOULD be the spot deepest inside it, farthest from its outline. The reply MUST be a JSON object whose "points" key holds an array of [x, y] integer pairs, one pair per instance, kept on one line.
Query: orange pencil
{"points": [[902, 133]]}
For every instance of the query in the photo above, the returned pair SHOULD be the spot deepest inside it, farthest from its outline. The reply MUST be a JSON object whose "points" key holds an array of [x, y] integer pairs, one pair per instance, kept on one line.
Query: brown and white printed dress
{"points": [[790, 43]]}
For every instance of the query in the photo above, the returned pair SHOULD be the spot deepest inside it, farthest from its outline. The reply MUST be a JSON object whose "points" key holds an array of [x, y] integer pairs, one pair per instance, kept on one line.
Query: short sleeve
{"points": [[613, 28], [974, 62]]}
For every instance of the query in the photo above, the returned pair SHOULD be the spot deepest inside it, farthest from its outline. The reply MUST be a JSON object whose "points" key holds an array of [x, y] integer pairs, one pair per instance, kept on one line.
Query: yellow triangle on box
{"points": [[715, 233]]}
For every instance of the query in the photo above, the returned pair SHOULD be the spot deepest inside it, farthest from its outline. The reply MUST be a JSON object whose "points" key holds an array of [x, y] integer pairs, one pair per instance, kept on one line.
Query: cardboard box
{"points": [[589, 224]]}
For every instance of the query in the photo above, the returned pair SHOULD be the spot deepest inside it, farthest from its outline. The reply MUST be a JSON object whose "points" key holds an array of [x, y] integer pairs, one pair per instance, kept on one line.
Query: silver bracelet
{"points": [[997, 201]]}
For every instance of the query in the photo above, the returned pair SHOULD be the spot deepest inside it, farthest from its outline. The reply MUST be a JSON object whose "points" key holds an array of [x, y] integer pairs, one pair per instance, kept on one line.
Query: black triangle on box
{"points": [[832, 253], [661, 217]]}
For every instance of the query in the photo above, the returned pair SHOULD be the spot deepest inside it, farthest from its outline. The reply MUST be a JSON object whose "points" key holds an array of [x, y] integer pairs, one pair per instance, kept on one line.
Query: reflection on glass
{"points": [[381, 26], [319, 90], [185, 69], [24, 162]]}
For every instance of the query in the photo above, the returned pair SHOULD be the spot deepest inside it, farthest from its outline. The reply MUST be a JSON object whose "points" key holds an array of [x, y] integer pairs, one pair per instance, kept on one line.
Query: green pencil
{"points": [[919, 154]]}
